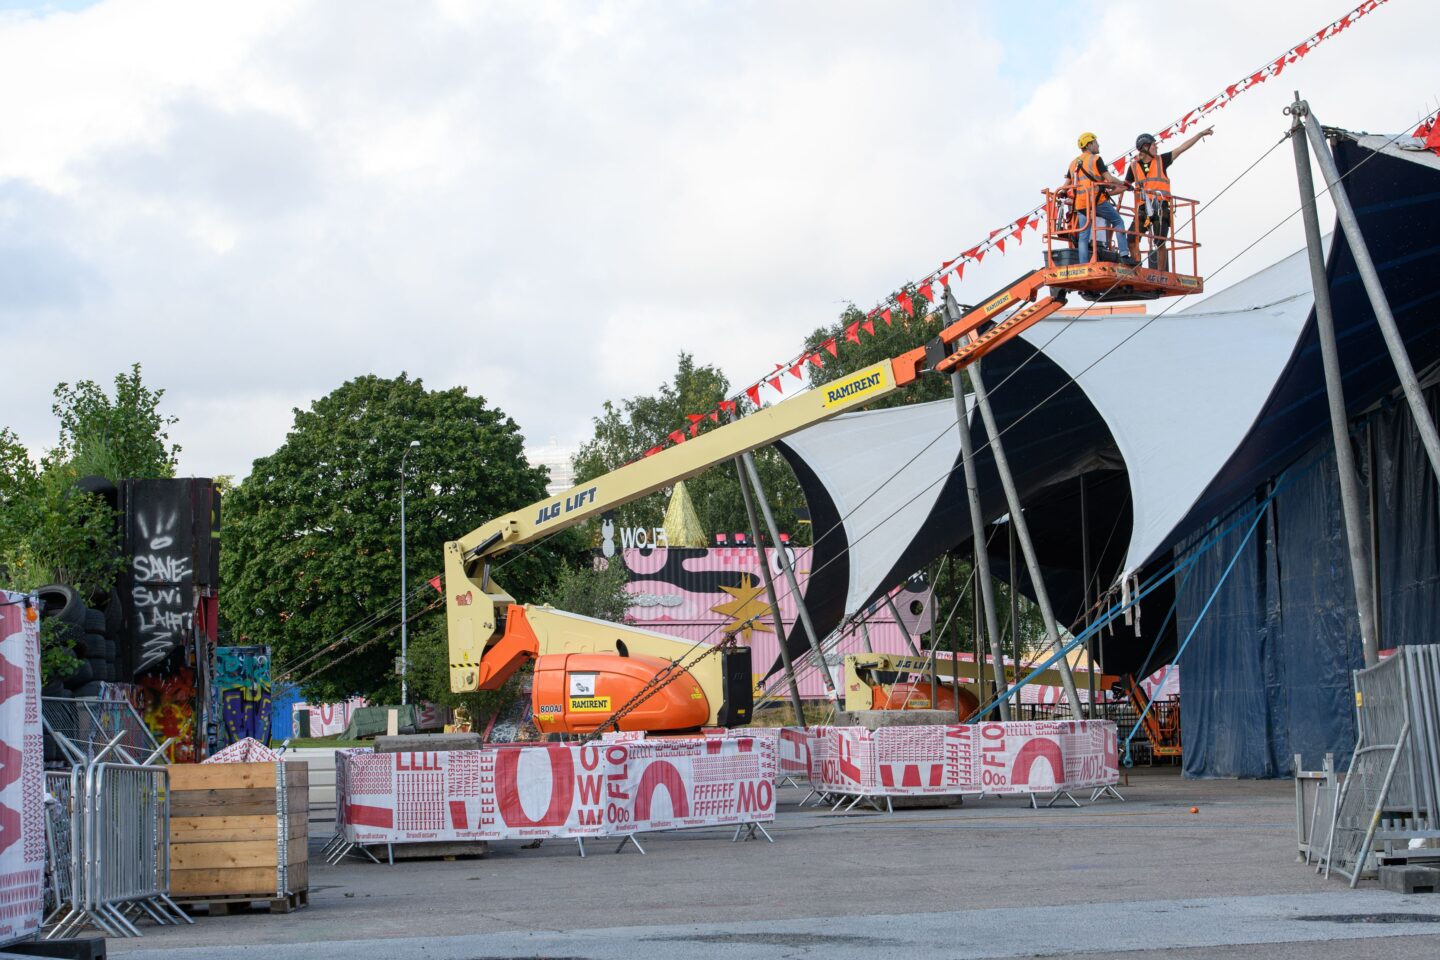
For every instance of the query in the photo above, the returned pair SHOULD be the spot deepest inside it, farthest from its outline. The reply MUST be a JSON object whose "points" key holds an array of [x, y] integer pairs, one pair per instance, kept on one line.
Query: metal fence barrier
{"points": [[1390, 794], [81, 729], [108, 843]]}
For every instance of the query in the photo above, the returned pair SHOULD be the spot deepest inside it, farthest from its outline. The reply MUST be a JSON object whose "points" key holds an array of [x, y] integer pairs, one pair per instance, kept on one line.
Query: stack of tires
{"points": [[92, 634]]}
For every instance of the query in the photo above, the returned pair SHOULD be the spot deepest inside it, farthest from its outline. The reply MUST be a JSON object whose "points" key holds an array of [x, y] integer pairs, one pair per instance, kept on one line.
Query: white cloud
{"points": [[545, 202]]}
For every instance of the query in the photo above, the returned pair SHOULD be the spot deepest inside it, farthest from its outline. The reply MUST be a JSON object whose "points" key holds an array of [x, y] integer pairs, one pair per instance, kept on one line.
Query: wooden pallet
{"points": [[263, 903]]}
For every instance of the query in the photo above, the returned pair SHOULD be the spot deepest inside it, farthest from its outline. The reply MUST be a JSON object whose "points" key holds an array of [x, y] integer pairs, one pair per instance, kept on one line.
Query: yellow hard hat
{"points": [[1086, 139]]}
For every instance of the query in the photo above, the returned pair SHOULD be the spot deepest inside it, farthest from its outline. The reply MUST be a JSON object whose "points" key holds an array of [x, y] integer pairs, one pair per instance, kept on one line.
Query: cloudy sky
{"points": [[546, 201]]}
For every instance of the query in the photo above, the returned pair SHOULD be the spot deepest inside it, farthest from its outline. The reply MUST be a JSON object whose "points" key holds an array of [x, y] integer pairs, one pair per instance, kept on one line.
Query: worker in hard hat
{"points": [[1093, 186], [1149, 174]]}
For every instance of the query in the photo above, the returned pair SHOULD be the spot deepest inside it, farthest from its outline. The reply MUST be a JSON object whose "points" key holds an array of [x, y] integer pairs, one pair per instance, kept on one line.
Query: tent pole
{"points": [[1355, 530], [1022, 534], [785, 566], [1085, 595], [977, 528], [1376, 292], [865, 631], [774, 600], [1014, 598]]}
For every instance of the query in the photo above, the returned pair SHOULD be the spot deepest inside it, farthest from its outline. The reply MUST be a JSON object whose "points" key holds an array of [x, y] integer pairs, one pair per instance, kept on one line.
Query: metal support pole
{"points": [[1085, 594], [865, 632], [404, 586], [1355, 529], [895, 612], [1376, 292], [1022, 534], [1014, 599], [775, 618], [986, 594], [749, 461]]}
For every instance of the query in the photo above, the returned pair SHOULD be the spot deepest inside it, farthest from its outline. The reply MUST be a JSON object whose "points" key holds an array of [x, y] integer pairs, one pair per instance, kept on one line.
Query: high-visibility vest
{"points": [[1086, 177], [1152, 180]]}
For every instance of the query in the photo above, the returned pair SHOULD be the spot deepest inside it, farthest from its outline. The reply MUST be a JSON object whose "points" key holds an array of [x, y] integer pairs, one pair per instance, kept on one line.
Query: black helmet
{"points": [[1143, 141]]}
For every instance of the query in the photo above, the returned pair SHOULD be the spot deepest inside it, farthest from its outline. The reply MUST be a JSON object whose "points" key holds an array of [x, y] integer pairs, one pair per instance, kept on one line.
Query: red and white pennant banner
{"points": [[1012, 233], [1003, 759], [554, 791]]}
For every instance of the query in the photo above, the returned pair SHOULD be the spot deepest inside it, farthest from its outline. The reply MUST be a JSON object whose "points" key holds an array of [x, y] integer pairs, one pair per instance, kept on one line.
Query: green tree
{"points": [[52, 531], [311, 558], [624, 431], [117, 438]]}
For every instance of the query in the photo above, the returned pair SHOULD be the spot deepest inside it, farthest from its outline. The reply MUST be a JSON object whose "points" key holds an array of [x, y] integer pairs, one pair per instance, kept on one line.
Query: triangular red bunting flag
{"points": [[695, 428], [754, 394], [714, 416], [435, 582], [873, 312], [1167, 133], [946, 265], [818, 360], [774, 384], [979, 255], [995, 231], [928, 292], [694, 417], [945, 280], [796, 367], [885, 315], [1019, 230], [868, 327], [677, 437], [727, 406], [1034, 224], [653, 450], [830, 346], [852, 333], [1000, 244], [905, 302], [1119, 166]]}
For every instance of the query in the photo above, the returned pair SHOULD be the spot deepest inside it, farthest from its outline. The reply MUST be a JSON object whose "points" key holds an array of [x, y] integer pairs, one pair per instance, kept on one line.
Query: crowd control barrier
{"points": [[562, 791], [1025, 758], [108, 839]]}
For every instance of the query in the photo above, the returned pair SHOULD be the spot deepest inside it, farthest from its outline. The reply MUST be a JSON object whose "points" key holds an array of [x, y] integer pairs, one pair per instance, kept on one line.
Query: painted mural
{"points": [[241, 693], [167, 702]]}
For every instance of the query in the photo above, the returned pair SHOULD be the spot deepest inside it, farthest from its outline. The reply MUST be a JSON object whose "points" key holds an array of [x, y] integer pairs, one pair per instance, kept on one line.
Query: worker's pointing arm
{"points": [[1191, 142]]}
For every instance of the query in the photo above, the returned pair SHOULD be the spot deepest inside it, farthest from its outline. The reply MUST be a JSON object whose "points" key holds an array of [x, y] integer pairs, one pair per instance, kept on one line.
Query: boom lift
{"points": [[590, 673]]}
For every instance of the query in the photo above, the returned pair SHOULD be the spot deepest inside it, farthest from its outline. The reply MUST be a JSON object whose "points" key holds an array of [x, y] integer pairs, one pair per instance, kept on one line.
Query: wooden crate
{"points": [[235, 833]]}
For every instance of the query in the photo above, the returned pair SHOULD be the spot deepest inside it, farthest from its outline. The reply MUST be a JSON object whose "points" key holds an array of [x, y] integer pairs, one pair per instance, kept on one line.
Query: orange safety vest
{"points": [[1152, 179], [1086, 177]]}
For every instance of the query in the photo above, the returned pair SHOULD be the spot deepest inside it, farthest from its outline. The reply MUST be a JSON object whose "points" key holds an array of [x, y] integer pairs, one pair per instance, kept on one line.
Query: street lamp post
{"points": [[404, 584]]}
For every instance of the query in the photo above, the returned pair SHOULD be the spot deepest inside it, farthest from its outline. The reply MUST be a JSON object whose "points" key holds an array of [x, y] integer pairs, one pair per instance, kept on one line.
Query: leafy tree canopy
{"points": [[52, 531], [903, 333], [624, 431], [312, 537]]}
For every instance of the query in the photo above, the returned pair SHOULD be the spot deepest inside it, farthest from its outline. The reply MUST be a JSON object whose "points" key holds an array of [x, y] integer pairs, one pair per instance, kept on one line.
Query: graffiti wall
{"points": [[240, 694], [696, 594], [166, 699], [168, 592]]}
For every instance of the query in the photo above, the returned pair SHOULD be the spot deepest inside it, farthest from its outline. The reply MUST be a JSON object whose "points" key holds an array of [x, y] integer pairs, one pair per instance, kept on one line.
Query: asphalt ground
{"points": [[1139, 879]]}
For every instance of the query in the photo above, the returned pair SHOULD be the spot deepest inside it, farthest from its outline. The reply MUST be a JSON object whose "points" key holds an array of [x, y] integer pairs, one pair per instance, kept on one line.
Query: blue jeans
{"points": [[1107, 212]]}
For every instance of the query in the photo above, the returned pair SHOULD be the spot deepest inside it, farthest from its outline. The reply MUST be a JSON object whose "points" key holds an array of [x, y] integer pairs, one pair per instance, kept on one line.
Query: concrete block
{"points": [[423, 742], [436, 851], [1410, 879]]}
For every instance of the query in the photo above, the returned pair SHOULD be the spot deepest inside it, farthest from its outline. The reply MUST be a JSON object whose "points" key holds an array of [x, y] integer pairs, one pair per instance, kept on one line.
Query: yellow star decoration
{"points": [[744, 611]]}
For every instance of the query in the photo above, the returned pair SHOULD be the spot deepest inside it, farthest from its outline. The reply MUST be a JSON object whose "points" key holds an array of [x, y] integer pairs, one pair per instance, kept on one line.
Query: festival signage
{"points": [[22, 788], [998, 759], [554, 791]]}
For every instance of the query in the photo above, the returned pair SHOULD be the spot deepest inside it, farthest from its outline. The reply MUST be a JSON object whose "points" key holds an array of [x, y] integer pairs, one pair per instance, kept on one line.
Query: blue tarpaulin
{"points": [[1267, 675]]}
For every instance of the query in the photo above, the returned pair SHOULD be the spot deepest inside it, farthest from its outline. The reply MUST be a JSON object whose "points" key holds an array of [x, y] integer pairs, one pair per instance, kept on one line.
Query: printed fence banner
{"points": [[557, 790], [22, 787], [244, 751], [1001, 759], [326, 719]]}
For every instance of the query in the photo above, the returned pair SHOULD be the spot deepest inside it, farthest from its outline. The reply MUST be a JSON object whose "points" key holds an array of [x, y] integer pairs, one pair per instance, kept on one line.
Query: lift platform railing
{"points": [[1164, 260]]}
